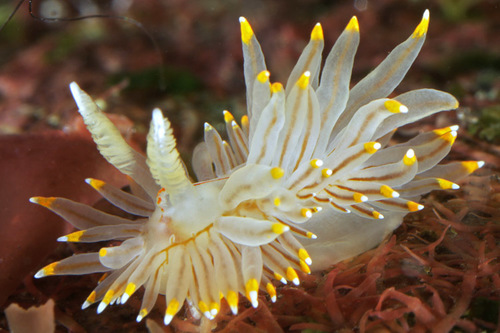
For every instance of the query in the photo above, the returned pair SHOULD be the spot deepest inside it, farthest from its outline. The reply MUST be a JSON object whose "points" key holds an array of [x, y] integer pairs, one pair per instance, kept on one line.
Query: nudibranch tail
{"points": [[306, 179]]}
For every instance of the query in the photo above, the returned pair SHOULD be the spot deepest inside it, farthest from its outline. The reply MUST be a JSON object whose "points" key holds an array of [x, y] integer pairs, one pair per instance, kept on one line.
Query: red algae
{"points": [[426, 277]]}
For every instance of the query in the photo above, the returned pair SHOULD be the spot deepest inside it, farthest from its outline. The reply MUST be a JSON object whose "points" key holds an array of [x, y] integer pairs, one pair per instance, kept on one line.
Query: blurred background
{"points": [[195, 69]]}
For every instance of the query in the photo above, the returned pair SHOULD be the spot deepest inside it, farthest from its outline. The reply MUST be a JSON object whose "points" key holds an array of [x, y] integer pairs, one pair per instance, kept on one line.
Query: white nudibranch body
{"points": [[307, 179]]}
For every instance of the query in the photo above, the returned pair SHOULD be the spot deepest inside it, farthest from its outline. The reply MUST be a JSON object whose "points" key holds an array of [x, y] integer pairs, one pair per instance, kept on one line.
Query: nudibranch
{"points": [[307, 178]]}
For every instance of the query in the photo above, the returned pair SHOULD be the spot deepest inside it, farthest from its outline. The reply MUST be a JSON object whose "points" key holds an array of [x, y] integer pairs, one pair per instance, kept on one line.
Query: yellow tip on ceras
{"points": [[129, 290], [235, 125], [106, 300], [304, 267], [263, 76], [303, 81], [291, 275], [304, 256], [232, 300], [317, 32], [306, 212], [413, 206], [442, 131], [246, 30], [316, 163], [472, 166], [277, 172], [410, 157], [372, 147], [448, 134], [450, 137], [279, 228], [214, 308], [252, 290], [102, 252], [326, 172], [42, 201], [228, 117], [276, 87], [143, 313], [311, 235], [422, 27], [271, 291], [359, 197], [207, 127], [280, 278], [353, 24], [377, 215], [316, 209], [205, 309], [90, 300], [46, 271], [172, 309], [395, 107], [244, 121], [447, 185], [73, 237], [95, 183], [388, 192]]}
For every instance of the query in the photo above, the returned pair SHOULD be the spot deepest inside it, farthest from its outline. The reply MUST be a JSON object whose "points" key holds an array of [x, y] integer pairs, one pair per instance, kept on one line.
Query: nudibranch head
{"points": [[306, 179]]}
